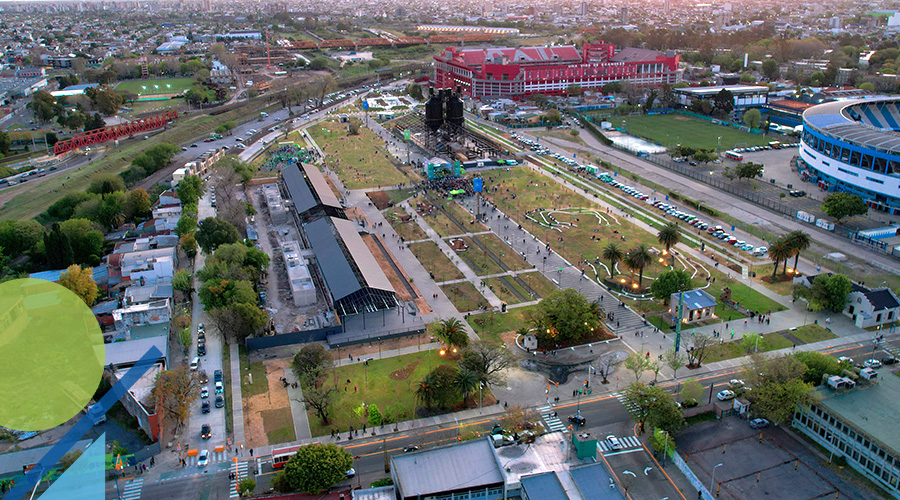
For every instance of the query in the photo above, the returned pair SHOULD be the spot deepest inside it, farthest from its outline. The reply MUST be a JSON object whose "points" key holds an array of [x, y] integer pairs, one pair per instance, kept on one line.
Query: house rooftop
{"points": [[873, 409]]}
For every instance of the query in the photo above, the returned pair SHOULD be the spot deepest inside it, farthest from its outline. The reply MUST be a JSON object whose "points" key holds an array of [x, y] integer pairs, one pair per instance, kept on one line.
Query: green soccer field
{"points": [[156, 86], [673, 129]]}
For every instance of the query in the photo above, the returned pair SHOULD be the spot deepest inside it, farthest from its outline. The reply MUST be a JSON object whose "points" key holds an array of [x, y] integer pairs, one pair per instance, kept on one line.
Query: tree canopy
{"points": [[669, 282], [840, 205], [563, 316], [653, 405], [826, 292], [214, 232], [317, 467], [81, 283]]}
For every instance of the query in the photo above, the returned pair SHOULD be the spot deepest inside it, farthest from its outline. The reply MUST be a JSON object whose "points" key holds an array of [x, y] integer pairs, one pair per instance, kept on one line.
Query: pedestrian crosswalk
{"points": [[214, 458], [627, 443], [132, 490], [243, 471], [631, 407], [554, 424]]}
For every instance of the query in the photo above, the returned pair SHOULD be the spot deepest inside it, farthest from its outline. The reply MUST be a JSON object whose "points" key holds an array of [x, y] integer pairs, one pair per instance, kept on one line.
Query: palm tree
{"points": [[799, 241], [451, 332], [640, 257], [613, 254], [631, 263], [466, 382], [425, 391], [669, 236], [778, 252]]}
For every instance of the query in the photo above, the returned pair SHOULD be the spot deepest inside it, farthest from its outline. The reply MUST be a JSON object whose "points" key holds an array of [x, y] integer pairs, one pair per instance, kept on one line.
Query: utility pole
{"points": [[678, 319]]}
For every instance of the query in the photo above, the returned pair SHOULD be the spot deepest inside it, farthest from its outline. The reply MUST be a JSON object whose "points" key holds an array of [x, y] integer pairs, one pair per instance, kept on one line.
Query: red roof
{"points": [[791, 104], [523, 55]]}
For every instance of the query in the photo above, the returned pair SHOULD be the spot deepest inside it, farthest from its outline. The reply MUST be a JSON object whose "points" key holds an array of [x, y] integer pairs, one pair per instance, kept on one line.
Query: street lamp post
{"points": [[713, 480]]}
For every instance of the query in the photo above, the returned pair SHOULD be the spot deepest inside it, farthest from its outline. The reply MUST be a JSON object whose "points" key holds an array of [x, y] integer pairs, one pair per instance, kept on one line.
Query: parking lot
{"points": [[767, 463]]}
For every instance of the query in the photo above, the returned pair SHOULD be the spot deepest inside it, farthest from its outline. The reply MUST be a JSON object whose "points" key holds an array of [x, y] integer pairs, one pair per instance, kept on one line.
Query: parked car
{"points": [[872, 363], [614, 442], [889, 360], [759, 423], [219, 388], [204, 406], [220, 401], [217, 375], [735, 383], [203, 459], [204, 393], [201, 349], [725, 395]]}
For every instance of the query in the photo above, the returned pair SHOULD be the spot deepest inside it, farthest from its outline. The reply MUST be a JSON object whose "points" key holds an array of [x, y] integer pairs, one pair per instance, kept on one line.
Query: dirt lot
{"points": [[271, 404], [380, 199]]}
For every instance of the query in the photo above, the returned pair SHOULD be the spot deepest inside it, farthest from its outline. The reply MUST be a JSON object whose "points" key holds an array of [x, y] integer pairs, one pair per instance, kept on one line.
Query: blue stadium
{"points": [[854, 146]]}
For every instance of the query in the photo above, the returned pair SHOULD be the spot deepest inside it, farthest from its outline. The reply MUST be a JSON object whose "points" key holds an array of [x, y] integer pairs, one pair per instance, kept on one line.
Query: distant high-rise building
{"points": [[623, 14], [666, 7], [582, 9]]}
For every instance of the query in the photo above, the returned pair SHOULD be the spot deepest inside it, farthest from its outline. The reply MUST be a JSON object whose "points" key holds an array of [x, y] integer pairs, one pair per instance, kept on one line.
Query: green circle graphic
{"points": [[53, 354]]}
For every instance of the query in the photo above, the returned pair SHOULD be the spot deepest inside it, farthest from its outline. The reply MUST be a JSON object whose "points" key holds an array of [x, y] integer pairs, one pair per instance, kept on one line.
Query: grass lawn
{"points": [[399, 195], [464, 296], [812, 333], [462, 216], [156, 86], [226, 382], [478, 259], [389, 383], [435, 262], [659, 322], [562, 134], [503, 288], [260, 382], [513, 260], [783, 285], [768, 342], [673, 129], [144, 107], [539, 283], [409, 231], [489, 326], [278, 425], [359, 160]]}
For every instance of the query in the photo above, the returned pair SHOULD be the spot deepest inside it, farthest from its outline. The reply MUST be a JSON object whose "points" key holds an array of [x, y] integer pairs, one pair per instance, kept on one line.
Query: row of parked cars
{"points": [[673, 211], [543, 151]]}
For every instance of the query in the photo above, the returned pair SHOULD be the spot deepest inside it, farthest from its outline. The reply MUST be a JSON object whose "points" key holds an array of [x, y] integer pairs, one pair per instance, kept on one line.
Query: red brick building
{"points": [[518, 72]]}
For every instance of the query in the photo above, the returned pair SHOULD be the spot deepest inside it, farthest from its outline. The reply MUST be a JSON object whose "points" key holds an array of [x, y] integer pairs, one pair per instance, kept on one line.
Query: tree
{"points": [[487, 361], [778, 387], [770, 69], [691, 392], [552, 115], [188, 244], [137, 204], [466, 382], [817, 366], [5, 143], [613, 253], [186, 224], [752, 118], [705, 156], [669, 236], [246, 487], [239, 320], [669, 282], [214, 232], [175, 392], [80, 282], [653, 405], [564, 315], [190, 189], [311, 363], [749, 170], [83, 245], [750, 342], [182, 281], [638, 258], [724, 102], [604, 366], [840, 205], [674, 360], [637, 363], [375, 417], [415, 91], [826, 292], [68, 459], [20, 236], [57, 247], [452, 334], [699, 346], [780, 251], [317, 467], [574, 89], [106, 101], [106, 184], [798, 241], [426, 390], [320, 398], [318, 64], [445, 392]]}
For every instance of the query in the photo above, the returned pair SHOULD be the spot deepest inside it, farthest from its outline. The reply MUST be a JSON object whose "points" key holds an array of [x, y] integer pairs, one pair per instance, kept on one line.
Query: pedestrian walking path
{"points": [[551, 419], [237, 409], [626, 442], [132, 489], [298, 407], [240, 471]]}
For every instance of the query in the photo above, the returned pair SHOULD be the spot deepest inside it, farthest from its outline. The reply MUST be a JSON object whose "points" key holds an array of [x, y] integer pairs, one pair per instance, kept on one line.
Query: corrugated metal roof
{"points": [[321, 187], [337, 272], [461, 466], [365, 261], [544, 486], [298, 190]]}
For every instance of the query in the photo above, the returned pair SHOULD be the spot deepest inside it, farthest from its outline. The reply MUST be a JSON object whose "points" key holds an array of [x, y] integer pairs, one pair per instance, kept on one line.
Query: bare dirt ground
{"points": [[275, 398], [380, 199], [367, 350]]}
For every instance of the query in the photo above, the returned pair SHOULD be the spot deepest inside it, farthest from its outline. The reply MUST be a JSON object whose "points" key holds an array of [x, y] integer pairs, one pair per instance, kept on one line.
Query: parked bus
{"points": [[734, 156], [280, 456]]}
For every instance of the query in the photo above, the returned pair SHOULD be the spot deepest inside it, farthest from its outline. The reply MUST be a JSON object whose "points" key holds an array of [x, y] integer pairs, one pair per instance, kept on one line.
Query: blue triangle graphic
{"points": [[84, 479]]}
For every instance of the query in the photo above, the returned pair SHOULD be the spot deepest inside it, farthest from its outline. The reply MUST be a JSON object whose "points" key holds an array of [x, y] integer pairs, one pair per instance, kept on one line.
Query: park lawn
{"points": [[812, 333], [389, 383], [143, 107], [503, 290], [409, 230], [782, 285], [279, 425], [561, 134], [733, 349], [438, 221], [435, 262], [156, 86], [478, 260], [490, 325], [462, 216], [226, 383], [671, 129], [399, 195], [464, 296], [41, 195], [539, 283], [513, 260], [260, 382], [359, 160], [660, 322]]}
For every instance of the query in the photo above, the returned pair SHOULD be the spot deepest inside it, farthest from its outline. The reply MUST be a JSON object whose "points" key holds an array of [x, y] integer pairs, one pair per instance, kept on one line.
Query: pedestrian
{"points": [[350, 356], [251, 452]]}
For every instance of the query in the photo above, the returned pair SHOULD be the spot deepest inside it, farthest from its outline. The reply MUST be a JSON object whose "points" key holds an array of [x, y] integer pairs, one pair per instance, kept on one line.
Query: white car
{"points": [[725, 395], [614, 442], [735, 382], [872, 363], [204, 393], [203, 459], [219, 388]]}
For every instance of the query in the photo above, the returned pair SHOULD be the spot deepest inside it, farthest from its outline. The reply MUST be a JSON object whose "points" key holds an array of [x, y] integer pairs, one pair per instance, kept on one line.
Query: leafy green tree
{"points": [[5, 143], [106, 184], [318, 64], [552, 115], [691, 392], [64, 207], [637, 259], [613, 253], [214, 232], [375, 418], [724, 102], [85, 240], [778, 387], [749, 170], [466, 382], [20, 236], [817, 365], [311, 363], [770, 69], [452, 334], [779, 251], [137, 205], [80, 282], [798, 241], [188, 245], [186, 224], [752, 118], [840, 205], [445, 392], [563, 316], [182, 281], [246, 487], [239, 320], [426, 390], [317, 467], [653, 405], [190, 189], [218, 293], [57, 247], [637, 364], [826, 292], [705, 156], [674, 360], [669, 282]]}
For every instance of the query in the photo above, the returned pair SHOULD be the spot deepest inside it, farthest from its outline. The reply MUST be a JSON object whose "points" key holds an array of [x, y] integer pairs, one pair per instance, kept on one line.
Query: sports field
{"points": [[156, 86], [673, 129]]}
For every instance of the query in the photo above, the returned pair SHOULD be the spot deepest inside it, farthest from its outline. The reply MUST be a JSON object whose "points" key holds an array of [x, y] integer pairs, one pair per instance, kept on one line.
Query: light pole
{"points": [[713, 480], [666, 448]]}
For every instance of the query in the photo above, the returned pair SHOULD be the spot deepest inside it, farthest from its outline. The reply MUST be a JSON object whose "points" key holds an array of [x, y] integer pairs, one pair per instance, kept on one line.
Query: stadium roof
{"points": [[715, 89], [352, 275], [523, 55], [869, 123], [632, 54]]}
